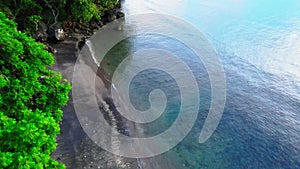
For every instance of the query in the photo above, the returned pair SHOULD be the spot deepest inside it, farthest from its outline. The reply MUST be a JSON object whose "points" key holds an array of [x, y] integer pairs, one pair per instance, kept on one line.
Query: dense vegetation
{"points": [[31, 96], [27, 13]]}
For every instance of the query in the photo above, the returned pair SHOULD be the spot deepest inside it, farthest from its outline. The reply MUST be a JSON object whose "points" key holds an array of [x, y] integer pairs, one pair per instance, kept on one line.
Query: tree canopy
{"points": [[30, 101], [27, 12]]}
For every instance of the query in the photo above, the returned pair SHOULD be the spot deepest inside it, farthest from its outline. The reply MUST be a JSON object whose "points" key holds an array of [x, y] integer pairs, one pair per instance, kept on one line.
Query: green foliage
{"points": [[20, 8], [84, 10], [108, 4], [21, 11], [32, 23], [30, 101], [79, 10]]}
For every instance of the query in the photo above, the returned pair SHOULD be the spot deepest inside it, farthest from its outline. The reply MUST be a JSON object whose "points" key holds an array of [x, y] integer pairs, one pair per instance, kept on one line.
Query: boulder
{"points": [[120, 14], [60, 34], [56, 33]]}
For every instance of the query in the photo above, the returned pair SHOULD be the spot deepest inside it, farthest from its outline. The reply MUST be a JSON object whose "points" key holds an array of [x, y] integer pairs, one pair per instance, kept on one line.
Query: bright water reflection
{"points": [[259, 45]]}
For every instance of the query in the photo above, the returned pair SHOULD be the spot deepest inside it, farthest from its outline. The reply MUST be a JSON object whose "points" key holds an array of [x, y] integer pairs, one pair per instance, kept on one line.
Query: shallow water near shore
{"points": [[259, 46]]}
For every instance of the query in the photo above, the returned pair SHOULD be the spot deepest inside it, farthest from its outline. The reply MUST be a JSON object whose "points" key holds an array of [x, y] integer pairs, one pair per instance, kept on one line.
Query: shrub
{"points": [[86, 10], [30, 101]]}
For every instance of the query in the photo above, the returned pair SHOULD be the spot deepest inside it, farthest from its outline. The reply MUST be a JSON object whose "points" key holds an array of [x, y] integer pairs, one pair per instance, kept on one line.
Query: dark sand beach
{"points": [[75, 149]]}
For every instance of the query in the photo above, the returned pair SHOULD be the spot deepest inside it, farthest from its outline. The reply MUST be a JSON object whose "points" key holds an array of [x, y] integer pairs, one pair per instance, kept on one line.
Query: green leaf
{"points": [[30, 106]]}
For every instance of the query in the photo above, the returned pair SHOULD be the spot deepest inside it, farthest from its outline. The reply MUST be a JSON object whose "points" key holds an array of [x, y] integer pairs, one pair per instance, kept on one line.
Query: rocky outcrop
{"points": [[56, 32]]}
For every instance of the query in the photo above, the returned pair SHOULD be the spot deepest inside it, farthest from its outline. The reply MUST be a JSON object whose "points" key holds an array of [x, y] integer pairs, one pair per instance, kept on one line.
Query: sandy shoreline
{"points": [[74, 148]]}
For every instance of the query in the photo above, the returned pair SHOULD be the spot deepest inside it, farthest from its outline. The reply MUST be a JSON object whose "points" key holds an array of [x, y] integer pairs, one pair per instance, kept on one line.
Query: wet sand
{"points": [[75, 149]]}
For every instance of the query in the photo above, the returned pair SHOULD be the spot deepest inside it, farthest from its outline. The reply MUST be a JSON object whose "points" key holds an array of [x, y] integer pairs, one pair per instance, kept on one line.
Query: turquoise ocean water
{"points": [[258, 43]]}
